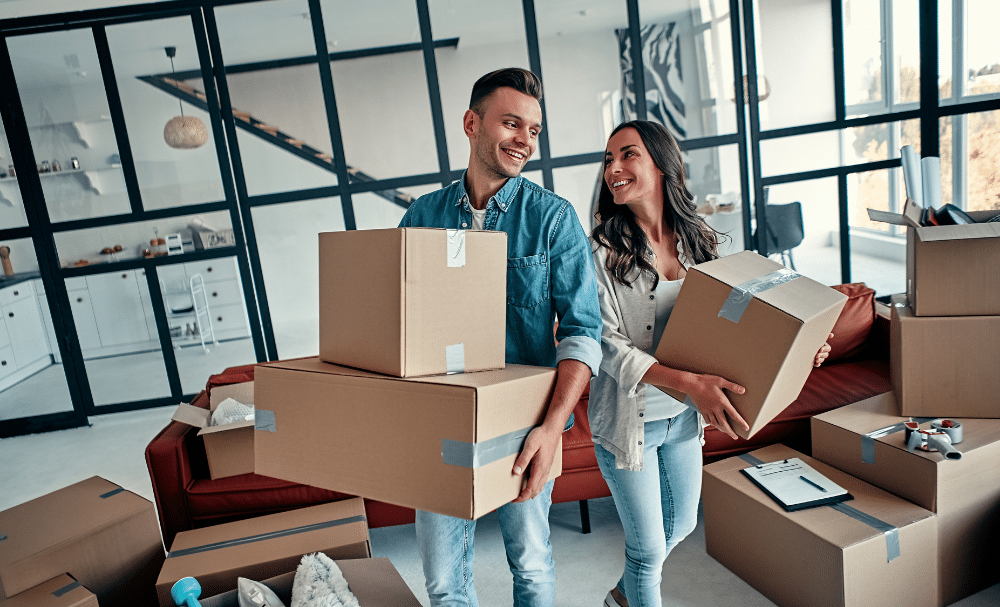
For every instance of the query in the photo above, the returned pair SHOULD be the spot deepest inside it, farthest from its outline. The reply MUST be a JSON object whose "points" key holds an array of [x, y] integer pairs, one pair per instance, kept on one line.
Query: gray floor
{"points": [[587, 565]]}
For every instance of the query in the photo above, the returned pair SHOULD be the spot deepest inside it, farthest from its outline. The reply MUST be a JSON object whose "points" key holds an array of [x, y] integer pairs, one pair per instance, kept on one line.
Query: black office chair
{"points": [[784, 231]]}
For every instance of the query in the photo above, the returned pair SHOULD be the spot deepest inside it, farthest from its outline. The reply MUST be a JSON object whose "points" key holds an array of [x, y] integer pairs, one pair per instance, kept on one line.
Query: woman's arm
{"points": [[705, 391]]}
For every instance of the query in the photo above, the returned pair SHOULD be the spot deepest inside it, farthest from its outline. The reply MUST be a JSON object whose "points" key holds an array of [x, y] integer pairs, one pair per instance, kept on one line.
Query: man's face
{"points": [[506, 135]]}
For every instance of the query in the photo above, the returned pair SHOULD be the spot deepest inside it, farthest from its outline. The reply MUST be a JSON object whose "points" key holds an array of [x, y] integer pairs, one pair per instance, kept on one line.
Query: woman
{"points": [[648, 445]]}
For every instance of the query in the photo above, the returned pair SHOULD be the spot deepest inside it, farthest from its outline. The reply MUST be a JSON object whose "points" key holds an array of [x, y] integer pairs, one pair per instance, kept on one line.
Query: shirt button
{"points": [[649, 327], [640, 442], [464, 224], [652, 297], [641, 414]]}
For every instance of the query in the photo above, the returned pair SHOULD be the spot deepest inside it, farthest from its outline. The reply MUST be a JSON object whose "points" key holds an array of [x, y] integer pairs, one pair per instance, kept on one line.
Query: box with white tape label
{"points": [[413, 301]]}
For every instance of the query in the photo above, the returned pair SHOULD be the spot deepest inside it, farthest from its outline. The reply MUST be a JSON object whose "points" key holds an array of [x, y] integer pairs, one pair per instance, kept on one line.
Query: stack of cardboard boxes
{"points": [[927, 523], [410, 401]]}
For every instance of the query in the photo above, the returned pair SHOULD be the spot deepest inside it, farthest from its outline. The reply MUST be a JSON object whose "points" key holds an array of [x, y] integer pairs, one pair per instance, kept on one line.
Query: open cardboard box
{"points": [[950, 270], [263, 547], [229, 448], [414, 301], [375, 583], [443, 443], [61, 591], [866, 440], [768, 347]]}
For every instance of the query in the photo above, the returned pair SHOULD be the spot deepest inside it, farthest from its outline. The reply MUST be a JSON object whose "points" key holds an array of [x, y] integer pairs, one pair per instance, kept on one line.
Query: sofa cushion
{"points": [[855, 322]]}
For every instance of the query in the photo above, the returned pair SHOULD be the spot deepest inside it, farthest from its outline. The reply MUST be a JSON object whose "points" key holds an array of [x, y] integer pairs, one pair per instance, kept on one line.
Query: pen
{"points": [[813, 484]]}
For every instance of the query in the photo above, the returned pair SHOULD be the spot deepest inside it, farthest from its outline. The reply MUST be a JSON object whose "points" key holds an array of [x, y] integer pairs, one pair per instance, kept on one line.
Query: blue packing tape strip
{"points": [[868, 440], [105, 496], [454, 356], [266, 536], [264, 420], [891, 533], [475, 455], [740, 296], [67, 588]]}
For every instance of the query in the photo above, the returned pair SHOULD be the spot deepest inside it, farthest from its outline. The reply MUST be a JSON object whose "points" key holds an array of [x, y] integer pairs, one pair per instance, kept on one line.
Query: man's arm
{"points": [[540, 447]]}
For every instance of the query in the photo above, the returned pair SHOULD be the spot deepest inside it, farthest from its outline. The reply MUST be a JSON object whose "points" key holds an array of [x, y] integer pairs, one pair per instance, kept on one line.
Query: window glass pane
{"points": [[878, 256], [795, 62], [482, 48], [288, 240], [863, 67], [582, 74], [906, 50], [948, 89], [167, 176], [373, 212], [688, 60], [578, 184], [714, 180], [382, 99], [818, 254], [982, 53], [283, 134], [970, 161], [32, 378], [66, 109], [12, 213], [799, 153]]}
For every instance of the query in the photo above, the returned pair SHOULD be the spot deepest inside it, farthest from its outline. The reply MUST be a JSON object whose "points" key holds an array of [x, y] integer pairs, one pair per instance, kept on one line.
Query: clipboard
{"points": [[795, 485]]}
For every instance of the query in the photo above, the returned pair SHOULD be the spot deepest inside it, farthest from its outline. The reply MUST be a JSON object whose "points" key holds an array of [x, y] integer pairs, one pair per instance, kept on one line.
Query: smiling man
{"points": [[550, 276]]}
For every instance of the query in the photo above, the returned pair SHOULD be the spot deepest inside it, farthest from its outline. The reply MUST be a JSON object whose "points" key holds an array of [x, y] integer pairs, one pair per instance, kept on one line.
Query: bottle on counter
{"points": [[56, 166], [73, 162]]}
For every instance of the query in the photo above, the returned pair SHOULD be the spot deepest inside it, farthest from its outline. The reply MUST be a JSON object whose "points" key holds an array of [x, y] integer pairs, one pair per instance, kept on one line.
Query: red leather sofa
{"points": [[186, 498]]}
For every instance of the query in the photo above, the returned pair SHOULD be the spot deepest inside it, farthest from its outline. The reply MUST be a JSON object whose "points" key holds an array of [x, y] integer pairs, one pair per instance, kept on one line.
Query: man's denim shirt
{"points": [[550, 270]]}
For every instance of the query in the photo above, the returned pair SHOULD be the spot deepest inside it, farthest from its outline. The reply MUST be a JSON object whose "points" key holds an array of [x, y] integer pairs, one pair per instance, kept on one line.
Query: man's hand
{"points": [[823, 353], [536, 460]]}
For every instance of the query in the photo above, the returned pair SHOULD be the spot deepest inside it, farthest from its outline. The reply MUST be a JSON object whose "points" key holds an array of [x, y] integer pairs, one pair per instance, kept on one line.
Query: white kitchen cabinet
{"points": [[7, 364], [83, 315], [23, 345], [50, 332], [223, 292], [118, 308]]}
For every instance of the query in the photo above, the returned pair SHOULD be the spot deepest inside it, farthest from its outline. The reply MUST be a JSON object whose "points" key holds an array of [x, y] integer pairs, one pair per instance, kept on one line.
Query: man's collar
{"points": [[503, 198]]}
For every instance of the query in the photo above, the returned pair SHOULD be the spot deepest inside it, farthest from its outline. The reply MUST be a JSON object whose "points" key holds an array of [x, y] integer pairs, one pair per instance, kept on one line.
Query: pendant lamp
{"points": [[183, 132]]}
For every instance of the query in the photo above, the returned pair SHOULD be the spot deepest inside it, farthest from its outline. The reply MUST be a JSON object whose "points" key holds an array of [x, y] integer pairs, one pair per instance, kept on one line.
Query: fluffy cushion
{"points": [[854, 323]]}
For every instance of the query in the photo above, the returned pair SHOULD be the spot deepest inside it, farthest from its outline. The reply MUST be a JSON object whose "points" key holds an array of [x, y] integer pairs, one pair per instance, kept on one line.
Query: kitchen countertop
{"points": [[17, 278]]}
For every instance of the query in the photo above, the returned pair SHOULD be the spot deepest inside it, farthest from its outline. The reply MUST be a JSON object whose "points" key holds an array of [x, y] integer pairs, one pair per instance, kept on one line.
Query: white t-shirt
{"points": [[477, 218], [660, 405]]}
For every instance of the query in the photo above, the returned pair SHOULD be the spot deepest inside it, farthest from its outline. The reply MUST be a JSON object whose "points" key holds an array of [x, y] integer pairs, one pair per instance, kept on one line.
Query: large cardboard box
{"points": [[263, 547], [866, 439], [413, 301], [104, 536], [820, 557], [62, 591], [950, 270], [375, 583], [229, 448], [444, 444], [945, 366], [754, 322]]}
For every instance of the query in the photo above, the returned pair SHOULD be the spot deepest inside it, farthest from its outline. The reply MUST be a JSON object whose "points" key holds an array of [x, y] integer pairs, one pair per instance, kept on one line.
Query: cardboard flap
{"points": [[910, 216], [191, 415], [241, 393], [962, 232], [227, 427]]}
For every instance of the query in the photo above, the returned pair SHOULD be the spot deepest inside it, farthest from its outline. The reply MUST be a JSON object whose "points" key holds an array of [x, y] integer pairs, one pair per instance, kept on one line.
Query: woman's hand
{"points": [[823, 353], [710, 400]]}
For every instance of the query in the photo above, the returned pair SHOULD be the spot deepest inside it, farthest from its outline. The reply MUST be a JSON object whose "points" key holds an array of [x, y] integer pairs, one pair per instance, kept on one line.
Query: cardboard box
{"points": [[754, 322], [950, 270], [375, 582], [212, 239], [444, 444], [413, 301], [62, 591], [263, 547], [820, 557], [229, 448], [945, 366], [866, 440], [104, 536]]}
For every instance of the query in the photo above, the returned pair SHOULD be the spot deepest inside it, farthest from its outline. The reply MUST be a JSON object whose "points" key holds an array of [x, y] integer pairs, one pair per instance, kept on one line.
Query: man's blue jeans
{"points": [[447, 549], [659, 504]]}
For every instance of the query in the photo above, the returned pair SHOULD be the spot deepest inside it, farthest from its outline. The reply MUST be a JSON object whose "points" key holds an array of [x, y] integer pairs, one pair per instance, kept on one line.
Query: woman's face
{"points": [[630, 172]]}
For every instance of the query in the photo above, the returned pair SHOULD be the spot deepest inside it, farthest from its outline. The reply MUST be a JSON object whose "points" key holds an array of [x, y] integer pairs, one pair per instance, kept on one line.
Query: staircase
{"points": [[273, 135]]}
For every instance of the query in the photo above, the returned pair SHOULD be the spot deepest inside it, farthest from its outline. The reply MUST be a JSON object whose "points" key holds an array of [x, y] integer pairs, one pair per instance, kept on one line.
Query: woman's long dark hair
{"points": [[617, 229]]}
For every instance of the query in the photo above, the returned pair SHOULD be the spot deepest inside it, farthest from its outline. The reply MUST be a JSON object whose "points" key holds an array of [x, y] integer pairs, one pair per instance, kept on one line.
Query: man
{"points": [[549, 275]]}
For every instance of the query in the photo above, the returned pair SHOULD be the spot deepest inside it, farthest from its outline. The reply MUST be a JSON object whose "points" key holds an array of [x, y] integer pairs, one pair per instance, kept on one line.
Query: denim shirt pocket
{"points": [[527, 280]]}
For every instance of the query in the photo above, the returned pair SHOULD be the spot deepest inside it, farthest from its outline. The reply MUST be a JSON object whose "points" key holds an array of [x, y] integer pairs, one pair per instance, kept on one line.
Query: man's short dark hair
{"points": [[519, 79]]}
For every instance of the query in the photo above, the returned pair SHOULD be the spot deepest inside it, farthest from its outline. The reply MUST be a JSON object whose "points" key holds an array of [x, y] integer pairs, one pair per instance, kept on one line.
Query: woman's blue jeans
{"points": [[447, 550], [659, 504]]}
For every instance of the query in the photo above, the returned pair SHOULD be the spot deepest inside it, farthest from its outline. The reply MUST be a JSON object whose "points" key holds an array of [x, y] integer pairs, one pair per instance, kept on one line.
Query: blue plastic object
{"points": [[185, 592]]}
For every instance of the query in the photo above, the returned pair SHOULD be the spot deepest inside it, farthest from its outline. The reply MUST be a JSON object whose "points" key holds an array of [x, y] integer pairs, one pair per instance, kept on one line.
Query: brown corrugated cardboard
{"points": [[950, 269], [375, 583], [964, 493], [228, 448], [62, 591], [945, 366], [819, 557], [769, 350], [263, 547], [409, 442], [413, 301], [104, 536]]}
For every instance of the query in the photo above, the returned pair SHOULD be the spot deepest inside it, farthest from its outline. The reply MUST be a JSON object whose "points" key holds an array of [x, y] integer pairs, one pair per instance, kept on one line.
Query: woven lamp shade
{"points": [[185, 132]]}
